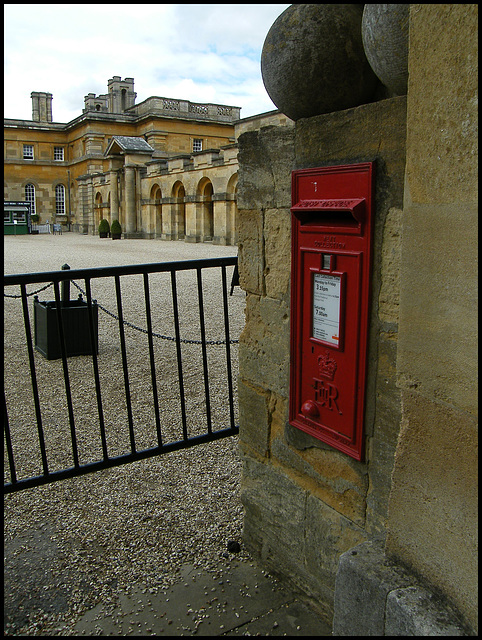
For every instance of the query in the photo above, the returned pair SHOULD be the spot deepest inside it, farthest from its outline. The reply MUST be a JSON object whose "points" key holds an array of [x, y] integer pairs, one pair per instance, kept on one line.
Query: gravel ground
{"points": [[80, 541]]}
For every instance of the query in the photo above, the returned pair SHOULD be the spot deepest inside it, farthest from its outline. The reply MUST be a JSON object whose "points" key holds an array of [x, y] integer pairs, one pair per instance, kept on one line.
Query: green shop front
{"points": [[16, 220]]}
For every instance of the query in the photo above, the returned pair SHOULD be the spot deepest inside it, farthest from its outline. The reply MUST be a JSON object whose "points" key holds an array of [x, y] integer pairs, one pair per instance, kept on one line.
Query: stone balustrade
{"points": [[186, 109]]}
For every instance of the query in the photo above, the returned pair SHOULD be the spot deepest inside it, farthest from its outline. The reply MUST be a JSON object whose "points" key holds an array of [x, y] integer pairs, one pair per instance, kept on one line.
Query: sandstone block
{"points": [[264, 344], [253, 418]]}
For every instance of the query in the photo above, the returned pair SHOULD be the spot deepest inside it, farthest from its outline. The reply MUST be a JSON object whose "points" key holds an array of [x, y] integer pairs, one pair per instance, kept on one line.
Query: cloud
{"points": [[199, 52]]}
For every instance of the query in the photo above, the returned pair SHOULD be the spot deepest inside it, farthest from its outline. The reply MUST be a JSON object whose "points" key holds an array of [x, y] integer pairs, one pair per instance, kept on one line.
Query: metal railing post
{"points": [[65, 288], [177, 434]]}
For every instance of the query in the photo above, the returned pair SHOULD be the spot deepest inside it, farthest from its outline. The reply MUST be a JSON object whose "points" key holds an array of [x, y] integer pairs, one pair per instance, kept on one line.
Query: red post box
{"points": [[330, 302]]}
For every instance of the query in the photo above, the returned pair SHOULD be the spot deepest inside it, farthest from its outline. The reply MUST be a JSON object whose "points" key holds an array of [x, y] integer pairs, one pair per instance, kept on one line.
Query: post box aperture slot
{"points": [[328, 218], [327, 307], [331, 213]]}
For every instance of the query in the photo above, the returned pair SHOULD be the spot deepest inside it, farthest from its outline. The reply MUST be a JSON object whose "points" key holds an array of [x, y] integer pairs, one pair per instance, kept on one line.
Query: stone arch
{"points": [[179, 211], [205, 193], [232, 186], [98, 208], [156, 219]]}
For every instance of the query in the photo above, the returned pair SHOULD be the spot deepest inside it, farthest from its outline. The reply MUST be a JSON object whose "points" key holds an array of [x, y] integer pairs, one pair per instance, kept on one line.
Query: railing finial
{"points": [[65, 287]]}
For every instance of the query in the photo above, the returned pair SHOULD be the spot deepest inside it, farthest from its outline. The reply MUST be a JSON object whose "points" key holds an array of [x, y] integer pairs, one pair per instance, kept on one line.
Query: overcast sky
{"points": [[197, 52]]}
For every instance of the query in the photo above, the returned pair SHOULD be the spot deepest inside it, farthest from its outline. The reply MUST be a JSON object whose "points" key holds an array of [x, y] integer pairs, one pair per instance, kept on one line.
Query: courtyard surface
{"points": [[145, 548]]}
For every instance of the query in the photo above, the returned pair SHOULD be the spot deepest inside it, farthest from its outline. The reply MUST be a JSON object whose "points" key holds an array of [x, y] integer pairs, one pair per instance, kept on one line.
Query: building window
{"points": [[197, 145], [30, 196], [58, 153], [10, 216], [20, 216], [28, 152], [60, 200]]}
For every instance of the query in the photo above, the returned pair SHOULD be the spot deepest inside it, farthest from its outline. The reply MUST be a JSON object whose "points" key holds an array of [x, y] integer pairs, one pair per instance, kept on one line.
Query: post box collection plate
{"points": [[330, 302]]}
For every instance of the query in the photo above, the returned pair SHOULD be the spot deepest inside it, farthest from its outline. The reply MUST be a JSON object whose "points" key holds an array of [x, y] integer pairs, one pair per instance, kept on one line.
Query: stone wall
{"points": [[433, 513], [305, 503], [399, 530]]}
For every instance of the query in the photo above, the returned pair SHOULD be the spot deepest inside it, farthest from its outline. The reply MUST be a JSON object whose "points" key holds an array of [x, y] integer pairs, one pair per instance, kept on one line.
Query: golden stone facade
{"points": [[164, 168]]}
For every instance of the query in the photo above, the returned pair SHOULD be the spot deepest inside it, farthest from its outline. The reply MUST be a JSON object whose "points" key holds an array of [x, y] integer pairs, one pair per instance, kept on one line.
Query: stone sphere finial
{"points": [[313, 60], [385, 39]]}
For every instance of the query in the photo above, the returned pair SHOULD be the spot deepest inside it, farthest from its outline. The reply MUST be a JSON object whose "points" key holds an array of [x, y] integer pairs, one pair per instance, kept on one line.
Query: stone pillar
{"points": [[433, 513], [164, 226], [192, 233], [114, 197], [221, 221], [130, 199], [84, 217], [305, 503], [206, 219], [178, 223]]}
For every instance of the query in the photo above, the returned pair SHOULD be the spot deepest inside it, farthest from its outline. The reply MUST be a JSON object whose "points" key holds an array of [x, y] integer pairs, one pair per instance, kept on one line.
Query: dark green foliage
{"points": [[115, 227], [104, 226]]}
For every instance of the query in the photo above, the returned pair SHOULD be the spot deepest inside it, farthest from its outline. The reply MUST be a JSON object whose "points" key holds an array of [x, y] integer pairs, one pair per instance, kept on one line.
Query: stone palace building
{"points": [[165, 168]]}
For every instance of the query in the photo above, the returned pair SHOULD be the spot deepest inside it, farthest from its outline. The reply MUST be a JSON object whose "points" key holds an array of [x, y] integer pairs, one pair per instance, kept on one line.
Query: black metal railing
{"points": [[55, 421]]}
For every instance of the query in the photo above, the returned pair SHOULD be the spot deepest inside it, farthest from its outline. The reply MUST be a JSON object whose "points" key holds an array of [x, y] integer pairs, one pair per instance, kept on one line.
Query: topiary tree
{"points": [[115, 230], [104, 228]]}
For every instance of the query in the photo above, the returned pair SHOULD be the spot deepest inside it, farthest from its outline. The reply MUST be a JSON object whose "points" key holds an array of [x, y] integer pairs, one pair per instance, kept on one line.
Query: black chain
{"points": [[156, 335], [6, 295], [129, 324]]}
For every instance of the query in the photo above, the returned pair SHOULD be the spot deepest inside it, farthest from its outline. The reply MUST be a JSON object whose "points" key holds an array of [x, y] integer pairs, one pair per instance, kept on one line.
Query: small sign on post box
{"points": [[330, 298]]}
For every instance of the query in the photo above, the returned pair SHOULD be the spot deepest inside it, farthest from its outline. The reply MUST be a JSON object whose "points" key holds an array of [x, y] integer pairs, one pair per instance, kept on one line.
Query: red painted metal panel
{"points": [[332, 223]]}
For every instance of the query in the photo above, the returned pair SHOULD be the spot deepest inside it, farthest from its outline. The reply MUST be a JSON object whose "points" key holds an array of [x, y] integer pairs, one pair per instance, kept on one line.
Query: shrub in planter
{"points": [[104, 228], [115, 230]]}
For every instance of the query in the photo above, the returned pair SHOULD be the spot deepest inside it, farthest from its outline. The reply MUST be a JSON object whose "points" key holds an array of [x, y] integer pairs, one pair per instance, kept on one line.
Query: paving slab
{"points": [[242, 600]]}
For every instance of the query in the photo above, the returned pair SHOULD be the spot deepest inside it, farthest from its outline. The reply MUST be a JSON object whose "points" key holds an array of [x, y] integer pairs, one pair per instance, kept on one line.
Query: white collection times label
{"points": [[326, 308]]}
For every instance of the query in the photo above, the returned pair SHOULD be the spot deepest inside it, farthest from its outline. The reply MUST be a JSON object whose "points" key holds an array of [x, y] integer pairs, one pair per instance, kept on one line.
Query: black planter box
{"points": [[75, 322]]}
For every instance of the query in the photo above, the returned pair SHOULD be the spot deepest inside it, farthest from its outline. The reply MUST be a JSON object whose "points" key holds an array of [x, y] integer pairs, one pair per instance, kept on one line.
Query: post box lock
{"points": [[330, 296], [309, 409]]}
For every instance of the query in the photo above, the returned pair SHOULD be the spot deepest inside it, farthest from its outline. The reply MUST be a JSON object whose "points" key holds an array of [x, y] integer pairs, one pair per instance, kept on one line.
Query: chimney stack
{"points": [[41, 106], [121, 94]]}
